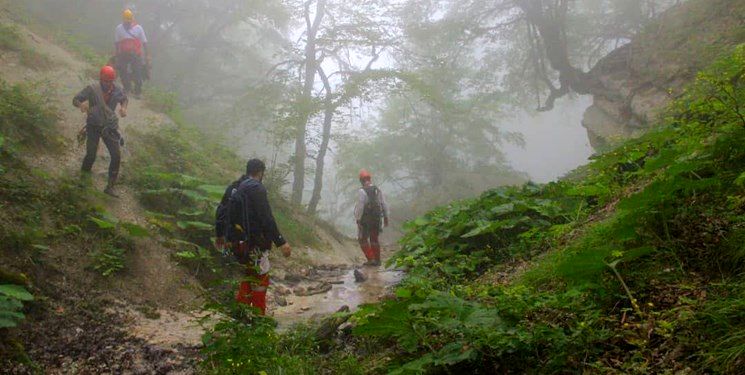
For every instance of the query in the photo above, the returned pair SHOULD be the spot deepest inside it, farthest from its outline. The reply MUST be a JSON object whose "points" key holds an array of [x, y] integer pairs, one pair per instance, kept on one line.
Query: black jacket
{"points": [[262, 226]]}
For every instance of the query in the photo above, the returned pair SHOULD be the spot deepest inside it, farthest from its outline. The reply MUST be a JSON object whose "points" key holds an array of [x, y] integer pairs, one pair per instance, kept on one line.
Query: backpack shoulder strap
{"points": [[101, 104], [128, 32]]}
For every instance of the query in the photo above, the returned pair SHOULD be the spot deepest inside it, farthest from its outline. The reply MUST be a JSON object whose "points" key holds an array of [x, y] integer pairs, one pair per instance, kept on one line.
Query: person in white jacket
{"points": [[370, 213]]}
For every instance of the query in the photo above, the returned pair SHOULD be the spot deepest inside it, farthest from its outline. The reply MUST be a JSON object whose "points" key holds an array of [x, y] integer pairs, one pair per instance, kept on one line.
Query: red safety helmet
{"points": [[108, 73], [365, 175]]}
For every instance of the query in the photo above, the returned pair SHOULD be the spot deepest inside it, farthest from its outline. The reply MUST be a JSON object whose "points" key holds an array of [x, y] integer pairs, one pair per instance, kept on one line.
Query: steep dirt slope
{"points": [[151, 279]]}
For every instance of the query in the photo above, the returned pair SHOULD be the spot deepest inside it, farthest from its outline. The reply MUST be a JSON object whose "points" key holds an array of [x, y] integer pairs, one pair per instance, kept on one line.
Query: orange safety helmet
{"points": [[365, 175], [108, 74]]}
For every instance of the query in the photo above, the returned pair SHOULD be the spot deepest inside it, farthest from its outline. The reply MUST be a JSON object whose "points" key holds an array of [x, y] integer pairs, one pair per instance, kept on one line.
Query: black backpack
{"points": [[373, 210], [236, 219], [237, 225]]}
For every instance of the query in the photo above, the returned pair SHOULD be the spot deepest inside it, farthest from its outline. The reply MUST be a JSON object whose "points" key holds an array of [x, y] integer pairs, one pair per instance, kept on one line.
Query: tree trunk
{"points": [[328, 117], [298, 181], [550, 26]]}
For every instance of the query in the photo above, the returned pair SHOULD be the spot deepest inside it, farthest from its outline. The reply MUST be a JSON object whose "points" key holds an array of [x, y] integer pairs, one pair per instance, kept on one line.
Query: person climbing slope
{"points": [[245, 224], [99, 102], [368, 213], [130, 44]]}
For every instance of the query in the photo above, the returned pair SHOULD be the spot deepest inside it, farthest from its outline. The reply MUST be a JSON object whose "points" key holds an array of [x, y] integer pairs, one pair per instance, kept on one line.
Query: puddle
{"points": [[345, 291]]}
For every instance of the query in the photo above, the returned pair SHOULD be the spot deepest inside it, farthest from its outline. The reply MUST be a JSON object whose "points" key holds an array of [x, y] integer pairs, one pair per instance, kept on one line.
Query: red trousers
{"points": [[252, 290], [368, 239]]}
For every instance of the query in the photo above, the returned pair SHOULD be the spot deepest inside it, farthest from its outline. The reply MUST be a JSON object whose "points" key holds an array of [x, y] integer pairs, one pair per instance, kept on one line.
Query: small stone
{"points": [[304, 308], [282, 290], [281, 301], [346, 328], [359, 276], [299, 291]]}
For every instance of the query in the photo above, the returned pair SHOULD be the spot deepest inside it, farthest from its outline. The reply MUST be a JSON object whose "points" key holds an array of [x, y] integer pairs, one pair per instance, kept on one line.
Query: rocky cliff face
{"points": [[642, 77]]}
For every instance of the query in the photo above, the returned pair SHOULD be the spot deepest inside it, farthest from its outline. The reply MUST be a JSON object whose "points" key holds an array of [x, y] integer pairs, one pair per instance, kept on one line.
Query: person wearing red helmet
{"points": [[370, 213], [99, 101], [132, 57]]}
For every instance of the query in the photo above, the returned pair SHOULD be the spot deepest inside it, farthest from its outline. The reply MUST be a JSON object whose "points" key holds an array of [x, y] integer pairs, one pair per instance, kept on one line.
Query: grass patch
{"points": [[12, 40], [27, 117]]}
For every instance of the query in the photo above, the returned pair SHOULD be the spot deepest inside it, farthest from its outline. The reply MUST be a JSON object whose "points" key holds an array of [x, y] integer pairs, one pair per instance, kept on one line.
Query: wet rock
{"points": [[313, 290], [281, 301], [282, 290], [329, 328], [359, 276], [293, 278], [345, 328]]}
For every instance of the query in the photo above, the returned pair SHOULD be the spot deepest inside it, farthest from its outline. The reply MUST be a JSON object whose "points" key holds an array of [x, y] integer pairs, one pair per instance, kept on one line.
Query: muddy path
{"points": [[322, 291]]}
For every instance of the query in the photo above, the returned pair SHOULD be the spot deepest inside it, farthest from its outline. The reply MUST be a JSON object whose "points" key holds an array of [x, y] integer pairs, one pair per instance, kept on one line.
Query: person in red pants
{"points": [[370, 213], [245, 224]]}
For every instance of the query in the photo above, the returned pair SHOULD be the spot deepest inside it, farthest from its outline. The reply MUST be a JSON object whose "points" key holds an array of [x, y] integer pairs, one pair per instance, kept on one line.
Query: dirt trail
{"points": [[152, 278], [156, 300]]}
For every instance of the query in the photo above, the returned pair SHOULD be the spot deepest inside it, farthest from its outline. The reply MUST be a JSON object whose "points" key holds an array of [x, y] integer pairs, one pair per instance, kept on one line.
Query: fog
{"points": [[555, 142], [439, 99]]}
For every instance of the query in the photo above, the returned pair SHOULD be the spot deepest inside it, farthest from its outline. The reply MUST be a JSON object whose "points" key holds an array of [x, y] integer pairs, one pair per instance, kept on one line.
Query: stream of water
{"points": [[345, 291]]}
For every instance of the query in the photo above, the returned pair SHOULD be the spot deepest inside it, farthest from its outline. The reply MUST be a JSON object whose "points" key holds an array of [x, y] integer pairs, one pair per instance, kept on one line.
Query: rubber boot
{"points": [[109, 190], [367, 250], [244, 293], [375, 252], [258, 300]]}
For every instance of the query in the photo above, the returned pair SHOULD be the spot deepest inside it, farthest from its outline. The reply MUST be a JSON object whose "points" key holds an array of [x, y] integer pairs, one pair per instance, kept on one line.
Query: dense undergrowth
{"points": [[632, 265]]}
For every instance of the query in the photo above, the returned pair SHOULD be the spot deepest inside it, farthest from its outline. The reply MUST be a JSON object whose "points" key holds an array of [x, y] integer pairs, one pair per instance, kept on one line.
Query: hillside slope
{"points": [[633, 265], [59, 235]]}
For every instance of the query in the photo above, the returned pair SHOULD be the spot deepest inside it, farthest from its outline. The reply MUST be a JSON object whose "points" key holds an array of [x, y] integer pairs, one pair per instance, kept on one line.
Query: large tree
{"points": [[339, 40], [546, 46]]}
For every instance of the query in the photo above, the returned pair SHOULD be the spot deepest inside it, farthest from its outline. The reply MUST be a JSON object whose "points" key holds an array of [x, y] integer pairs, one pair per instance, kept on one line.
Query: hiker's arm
{"points": [[123, 106], [264, 212], [359, 205], [82, 100]]}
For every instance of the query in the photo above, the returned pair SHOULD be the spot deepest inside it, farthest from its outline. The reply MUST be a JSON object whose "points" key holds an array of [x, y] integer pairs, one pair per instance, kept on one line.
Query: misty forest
{"points": [[372, 187]]}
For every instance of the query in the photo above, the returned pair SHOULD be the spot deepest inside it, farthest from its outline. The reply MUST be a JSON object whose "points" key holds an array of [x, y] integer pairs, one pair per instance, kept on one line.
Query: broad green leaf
{"points": [[102, 224], [194, 225], [135, 230], [214, 191], [740, 181], [16, 291], [403, 293]]}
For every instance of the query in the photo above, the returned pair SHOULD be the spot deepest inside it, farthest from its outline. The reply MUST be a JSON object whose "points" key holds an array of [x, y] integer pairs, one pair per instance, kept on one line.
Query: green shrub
{"points": [[10, 38], [11, 304], [27, 116]]}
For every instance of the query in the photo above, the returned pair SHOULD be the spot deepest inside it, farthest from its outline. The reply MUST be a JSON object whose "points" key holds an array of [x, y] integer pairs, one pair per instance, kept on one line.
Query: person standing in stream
{"points": [[370, 213], [245, 225], [99, 102], [132, 57]]}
